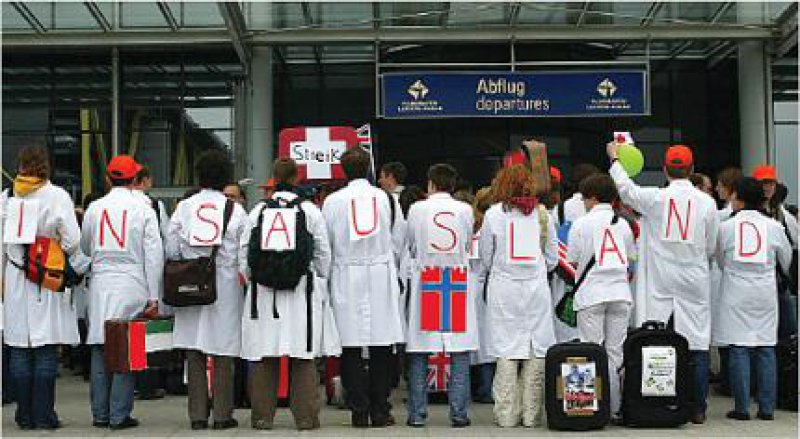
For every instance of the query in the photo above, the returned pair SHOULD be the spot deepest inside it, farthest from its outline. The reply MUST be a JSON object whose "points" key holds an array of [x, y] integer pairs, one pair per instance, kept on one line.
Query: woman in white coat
{"points": [[286, 323], [211, 330], [37, 320], [750, 247], [517, 252], [483, 363]]}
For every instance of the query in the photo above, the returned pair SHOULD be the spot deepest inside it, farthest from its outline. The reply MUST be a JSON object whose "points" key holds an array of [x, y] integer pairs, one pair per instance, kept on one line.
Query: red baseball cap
{"points": [[765, 172], [123, 167], [678, 156], [555, 174]]}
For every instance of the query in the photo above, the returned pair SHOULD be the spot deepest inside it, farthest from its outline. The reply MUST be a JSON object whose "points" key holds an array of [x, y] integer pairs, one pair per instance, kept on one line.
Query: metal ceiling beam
{"points": [[309, 20], [787, 23], [582, 17], [29, 17], [513, 14], [98, 16], [169, 17], [445, 15], [376, 15], [388, 34], [651, 13], [237, 27], [722, 55]]}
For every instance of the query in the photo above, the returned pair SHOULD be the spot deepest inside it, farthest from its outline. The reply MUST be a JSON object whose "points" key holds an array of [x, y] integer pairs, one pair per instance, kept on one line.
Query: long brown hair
{"points": [[483, 201], [34, 161], [515, 181]]}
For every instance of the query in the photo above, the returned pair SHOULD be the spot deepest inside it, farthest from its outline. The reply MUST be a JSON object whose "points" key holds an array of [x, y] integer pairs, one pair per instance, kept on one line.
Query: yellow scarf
{"points": [[23, 185]]}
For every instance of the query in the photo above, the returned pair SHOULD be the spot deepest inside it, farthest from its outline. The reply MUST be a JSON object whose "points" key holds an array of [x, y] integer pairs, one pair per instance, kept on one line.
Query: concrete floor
{"points": [[168, 418]]}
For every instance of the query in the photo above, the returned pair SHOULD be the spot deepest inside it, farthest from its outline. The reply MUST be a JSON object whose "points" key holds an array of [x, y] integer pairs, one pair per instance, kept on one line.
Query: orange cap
{"points": [[555, 174], [678, 156], [765, 172], [123, 167], [270, 184]]}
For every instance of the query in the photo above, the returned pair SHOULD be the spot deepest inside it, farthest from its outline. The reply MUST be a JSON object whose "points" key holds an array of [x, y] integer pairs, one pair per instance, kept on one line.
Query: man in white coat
{"points": [[124, 243], [200, 223], [602, 243], [37, 320], [751, 247], [441, 315], [364, 289], [280, 323], [681, 224]]}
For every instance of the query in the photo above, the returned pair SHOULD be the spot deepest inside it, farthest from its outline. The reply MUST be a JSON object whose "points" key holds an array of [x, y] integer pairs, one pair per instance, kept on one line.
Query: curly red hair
{"points": [[515, 181]]}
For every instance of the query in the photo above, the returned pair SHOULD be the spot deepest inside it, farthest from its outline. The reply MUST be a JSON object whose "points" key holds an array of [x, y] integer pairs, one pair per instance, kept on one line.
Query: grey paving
{"points": [[168, 418]]}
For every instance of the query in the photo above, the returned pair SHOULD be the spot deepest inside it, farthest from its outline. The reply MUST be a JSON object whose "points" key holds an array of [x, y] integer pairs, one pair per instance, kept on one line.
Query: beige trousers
{"points": [[519, 394]]}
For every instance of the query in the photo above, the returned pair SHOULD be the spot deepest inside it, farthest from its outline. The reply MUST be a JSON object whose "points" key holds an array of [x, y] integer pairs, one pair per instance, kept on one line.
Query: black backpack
{"points": [[280, 270]]}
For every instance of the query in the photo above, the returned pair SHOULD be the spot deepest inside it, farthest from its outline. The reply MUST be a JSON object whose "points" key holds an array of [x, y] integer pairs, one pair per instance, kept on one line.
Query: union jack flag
{"points": [[444, 299], [438, 372]]}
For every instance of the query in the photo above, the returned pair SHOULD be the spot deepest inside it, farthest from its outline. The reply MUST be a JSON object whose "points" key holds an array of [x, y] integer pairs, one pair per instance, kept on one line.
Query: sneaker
{"points": [[765, 417], [733, 414], [699, 418], [381, 421], [125, 424], [415, 423], [461, 423], [199, 425], [359, 419], [261, 424], [225, 425], [100, 424], [50, 426]]}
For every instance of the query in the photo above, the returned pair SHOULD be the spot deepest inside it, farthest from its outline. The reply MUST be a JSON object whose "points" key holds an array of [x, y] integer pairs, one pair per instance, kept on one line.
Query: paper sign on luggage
{"points": [[659, 368], [111, 231], [523, 241], [609, 249], [679, 220], [580, 387], [750, 241], [205, 225], [22, 217], [363, 217], [441, 237], [278, 229]]}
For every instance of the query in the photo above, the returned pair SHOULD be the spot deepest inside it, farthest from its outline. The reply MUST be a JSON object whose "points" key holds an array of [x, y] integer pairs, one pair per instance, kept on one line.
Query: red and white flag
{"points": [[317, 150]]}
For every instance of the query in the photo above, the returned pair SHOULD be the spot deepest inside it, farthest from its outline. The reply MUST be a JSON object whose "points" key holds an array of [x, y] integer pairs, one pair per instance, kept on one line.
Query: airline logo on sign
{"points": [[317, 150]]}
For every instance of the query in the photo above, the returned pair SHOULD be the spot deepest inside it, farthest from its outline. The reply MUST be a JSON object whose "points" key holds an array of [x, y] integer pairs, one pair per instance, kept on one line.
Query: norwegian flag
{"points": [[565, 270], [444, 299], [438, 372], [317, 150]]}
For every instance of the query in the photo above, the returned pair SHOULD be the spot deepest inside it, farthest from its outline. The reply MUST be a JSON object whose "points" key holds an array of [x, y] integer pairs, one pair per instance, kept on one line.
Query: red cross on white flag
{"points": [[317, 150]]}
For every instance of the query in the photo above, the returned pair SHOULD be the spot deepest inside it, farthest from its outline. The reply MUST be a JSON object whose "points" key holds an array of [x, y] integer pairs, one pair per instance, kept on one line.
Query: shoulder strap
{"points": [[560, 208], [591, 263], [154, 204], [226, 218], [786, 231], [543, 230]]}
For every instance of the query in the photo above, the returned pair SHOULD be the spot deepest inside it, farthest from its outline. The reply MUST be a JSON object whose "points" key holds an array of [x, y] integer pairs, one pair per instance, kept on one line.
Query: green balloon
{"points": [[631, 159]]}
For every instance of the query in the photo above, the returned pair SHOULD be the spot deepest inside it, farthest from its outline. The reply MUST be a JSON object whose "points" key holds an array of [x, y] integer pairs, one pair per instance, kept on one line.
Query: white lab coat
{"points": [[286, 335], [214, 329], [748, 303], [163, 224], [121, 282], [573, 209], [34, 317], [363, 282], [520, 308], [477, 290], [419, 231], [673, 277], [716, 280], [603, 283]]}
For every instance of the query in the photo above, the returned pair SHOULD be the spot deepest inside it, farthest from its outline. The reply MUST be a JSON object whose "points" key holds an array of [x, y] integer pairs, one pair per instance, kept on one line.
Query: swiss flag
{"points": [[317, 150]]}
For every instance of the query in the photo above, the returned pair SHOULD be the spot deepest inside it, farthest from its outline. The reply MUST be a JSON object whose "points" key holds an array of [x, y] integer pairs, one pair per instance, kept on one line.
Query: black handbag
{"points": [[191, 282]]}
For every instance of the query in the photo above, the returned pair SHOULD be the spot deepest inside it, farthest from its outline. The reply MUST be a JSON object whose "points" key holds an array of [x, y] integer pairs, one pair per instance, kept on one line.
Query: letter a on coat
{"points": [[278, 229]]}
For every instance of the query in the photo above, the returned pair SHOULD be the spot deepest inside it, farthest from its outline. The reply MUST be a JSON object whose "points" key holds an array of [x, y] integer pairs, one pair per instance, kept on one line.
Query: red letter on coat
{"points": [[612, 248], [207, 220], [105, 220], [281, 228], [374, 218], [742, 252], [683, 226], [452, 232]]}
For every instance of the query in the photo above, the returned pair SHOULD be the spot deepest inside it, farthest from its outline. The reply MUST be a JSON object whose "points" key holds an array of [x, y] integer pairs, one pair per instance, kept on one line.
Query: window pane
{"points": [[73, 15], [478, 13], [201, 14], [12, 20], [141, 14]]}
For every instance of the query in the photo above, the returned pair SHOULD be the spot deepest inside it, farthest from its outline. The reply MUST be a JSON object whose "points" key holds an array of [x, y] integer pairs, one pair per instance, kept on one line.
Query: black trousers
{"points": [[367, 386]]}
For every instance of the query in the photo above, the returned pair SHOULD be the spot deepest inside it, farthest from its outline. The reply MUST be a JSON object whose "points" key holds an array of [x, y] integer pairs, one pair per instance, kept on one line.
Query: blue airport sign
{"points": [[519, 94]]}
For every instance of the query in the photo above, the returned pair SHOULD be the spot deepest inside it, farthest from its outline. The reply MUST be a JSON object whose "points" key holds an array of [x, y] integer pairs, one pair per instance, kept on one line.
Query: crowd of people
{"points": [[391, 274]]}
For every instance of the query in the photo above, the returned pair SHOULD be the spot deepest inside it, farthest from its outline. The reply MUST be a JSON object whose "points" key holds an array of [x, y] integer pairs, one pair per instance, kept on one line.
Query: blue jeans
{"points": [[457, 386], [739, 362], [699, 362], [33, 375], [112, 394], [485, 379]]}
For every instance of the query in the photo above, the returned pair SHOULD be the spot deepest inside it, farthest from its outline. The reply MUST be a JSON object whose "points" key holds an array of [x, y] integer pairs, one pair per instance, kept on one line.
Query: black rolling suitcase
{"points": [[655, 391], [576, 386]]}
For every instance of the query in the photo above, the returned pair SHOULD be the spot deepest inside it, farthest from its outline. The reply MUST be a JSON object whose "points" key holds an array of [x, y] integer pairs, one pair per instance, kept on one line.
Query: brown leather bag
{"points": [[191, 282]]}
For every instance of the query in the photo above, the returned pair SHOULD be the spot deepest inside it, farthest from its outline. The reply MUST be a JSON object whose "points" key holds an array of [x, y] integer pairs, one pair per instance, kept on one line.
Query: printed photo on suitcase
{"points": [[576, 387], [655, 391]]}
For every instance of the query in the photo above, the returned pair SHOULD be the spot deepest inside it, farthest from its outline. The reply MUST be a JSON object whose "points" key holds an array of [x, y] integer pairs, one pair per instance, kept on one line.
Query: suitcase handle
{"points": [[654, 325]]}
